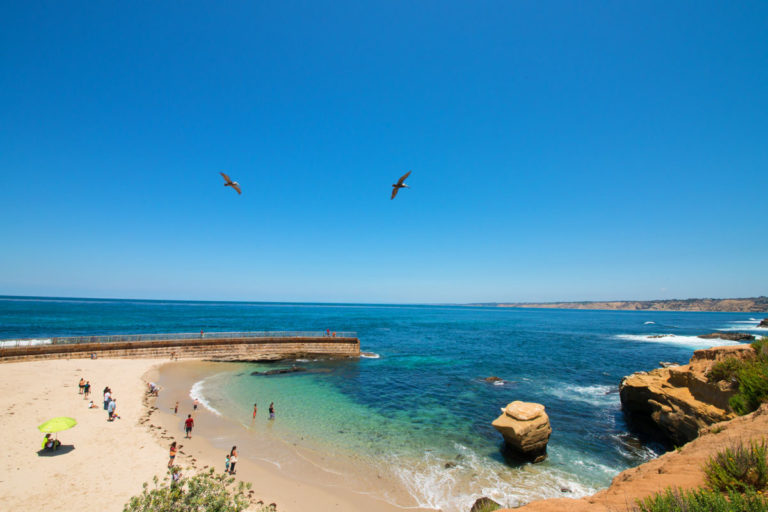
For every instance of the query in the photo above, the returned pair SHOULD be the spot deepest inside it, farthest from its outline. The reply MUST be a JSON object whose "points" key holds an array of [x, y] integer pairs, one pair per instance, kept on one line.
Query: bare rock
{"points": [[525, 428], [732, 336], [763, 323]]}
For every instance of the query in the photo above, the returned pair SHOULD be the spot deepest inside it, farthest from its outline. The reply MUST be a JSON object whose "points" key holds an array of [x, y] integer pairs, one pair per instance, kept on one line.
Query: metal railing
{"points": [[173, 337]]}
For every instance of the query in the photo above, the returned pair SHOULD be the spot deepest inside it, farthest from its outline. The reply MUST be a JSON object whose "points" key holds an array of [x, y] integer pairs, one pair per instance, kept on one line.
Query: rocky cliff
{"points": [[679, 468], [679, 400], [746, 305]]}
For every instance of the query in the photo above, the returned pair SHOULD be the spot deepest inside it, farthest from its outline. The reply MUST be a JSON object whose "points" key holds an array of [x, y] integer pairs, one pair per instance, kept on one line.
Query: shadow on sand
{"points": [[61, 450]]}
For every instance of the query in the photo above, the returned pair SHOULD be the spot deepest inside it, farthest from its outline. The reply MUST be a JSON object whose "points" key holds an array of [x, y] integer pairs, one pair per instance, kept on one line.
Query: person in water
{"points": [[272, 410]]}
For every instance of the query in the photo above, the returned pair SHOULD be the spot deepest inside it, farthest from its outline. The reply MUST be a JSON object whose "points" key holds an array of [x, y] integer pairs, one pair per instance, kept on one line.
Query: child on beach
{"points": [[174, 449], [87, 390], [255, 409], [271, 410], [195, 404], [176, 408], [226, 464], [232, 460]]}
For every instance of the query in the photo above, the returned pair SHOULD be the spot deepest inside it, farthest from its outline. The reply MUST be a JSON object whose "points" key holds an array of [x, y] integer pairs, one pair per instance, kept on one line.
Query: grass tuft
{"points": [[740, 468]]}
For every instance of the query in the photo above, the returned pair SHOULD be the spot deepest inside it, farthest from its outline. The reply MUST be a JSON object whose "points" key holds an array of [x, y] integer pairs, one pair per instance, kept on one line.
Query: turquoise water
{"points": [[423, 402]]}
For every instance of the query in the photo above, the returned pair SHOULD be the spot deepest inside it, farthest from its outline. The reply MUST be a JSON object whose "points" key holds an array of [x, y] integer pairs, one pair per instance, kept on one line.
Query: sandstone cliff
{"points": [[680, 468], [746, 305], [679, 400]]}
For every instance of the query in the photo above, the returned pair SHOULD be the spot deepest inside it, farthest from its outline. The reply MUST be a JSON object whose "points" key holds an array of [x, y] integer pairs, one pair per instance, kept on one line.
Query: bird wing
{"points": [[236, 186], [403, 177], [394, 191], [226, 178]]}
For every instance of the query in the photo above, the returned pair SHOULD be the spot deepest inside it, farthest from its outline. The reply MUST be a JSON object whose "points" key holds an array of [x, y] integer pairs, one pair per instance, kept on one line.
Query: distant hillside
{"points": [[750, 305]]}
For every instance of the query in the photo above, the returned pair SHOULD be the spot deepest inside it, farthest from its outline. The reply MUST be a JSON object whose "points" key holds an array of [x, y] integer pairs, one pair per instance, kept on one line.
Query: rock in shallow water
{"points": [[525, 428]]}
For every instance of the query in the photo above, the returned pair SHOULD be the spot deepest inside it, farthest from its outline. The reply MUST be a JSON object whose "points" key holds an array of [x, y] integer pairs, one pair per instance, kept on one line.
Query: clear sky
{"points": [[560, 150]]}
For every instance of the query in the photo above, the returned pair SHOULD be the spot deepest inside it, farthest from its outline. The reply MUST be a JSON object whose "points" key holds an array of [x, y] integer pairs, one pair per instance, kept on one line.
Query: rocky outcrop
{"points": [[732, 336], [679, 401], [525, 428], [763, 323], [679, 468], [484, 505]]}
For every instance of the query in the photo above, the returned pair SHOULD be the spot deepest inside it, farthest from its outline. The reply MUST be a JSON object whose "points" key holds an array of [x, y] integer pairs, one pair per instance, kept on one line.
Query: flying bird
{"points": [[229, 183], [397, 186]]}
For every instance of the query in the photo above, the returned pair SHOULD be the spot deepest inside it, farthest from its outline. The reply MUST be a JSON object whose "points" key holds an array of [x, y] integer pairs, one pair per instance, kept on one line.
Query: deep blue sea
{"points": [[423, 402]]}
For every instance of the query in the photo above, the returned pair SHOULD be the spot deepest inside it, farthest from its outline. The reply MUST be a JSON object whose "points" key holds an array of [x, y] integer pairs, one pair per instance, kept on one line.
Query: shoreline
{"points": [[293, 477]]}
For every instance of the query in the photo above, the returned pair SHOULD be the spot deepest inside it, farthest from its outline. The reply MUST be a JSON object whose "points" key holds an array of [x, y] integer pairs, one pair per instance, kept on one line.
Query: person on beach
{"points": [[175, 476], [87, 390], [174, 449], [232, 460], [328, 332], [195, 404], [107, 396], [111, 409], [271, 410], [81, 386], [255, 410], [91, 405], [201, 333], [226, 464], [188, 424], [176, 408]]}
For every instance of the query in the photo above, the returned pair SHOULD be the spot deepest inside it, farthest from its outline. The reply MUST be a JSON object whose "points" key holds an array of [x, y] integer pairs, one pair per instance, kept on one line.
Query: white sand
{"points": [[110, 460]]}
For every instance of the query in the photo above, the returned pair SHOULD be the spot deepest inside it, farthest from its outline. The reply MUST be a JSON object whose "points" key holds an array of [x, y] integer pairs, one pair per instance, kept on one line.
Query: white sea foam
{"points": [[745, 325], [369, 355], [648, 323], [598, 394], [24, 343], [456, 488], [674, 339], [196, 393]]}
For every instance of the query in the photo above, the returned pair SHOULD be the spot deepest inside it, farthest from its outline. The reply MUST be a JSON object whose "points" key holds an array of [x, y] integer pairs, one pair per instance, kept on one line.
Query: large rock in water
{"points": [[525, 428], [679, 401], [763, 323], [732, 336]]}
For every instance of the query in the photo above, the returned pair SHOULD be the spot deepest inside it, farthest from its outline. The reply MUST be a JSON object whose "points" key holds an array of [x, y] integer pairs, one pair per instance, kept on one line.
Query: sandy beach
{"points": [[102, 464]]}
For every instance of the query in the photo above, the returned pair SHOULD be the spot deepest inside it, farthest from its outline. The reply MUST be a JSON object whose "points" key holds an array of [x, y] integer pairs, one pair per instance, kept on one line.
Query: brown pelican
{"points": [[229, 183], [397, 186]]}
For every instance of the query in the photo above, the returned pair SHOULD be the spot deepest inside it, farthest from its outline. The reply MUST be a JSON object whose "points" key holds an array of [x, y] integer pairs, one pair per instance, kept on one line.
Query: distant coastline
{"points": [[745, 305]]}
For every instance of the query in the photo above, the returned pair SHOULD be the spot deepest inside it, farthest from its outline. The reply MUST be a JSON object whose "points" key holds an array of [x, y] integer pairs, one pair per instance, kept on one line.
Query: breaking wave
{"points": [[196, 393], [675, 339], [453, 484]]}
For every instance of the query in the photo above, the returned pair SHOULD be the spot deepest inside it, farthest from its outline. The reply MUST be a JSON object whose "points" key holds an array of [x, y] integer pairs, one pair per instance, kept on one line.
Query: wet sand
{"points": [[294, 477]]}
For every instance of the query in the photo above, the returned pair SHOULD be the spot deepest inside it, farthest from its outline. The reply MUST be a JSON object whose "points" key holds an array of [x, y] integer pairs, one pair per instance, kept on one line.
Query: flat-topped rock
{"points": [[523, 411], [525, 429]]}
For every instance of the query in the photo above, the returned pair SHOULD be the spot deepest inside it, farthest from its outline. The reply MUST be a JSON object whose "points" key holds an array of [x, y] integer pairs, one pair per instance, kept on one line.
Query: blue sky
{"points": [[560, 150]]}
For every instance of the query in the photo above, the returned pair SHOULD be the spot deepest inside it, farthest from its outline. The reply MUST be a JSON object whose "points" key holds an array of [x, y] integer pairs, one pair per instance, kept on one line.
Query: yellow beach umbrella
{"points": [[57, 424]]}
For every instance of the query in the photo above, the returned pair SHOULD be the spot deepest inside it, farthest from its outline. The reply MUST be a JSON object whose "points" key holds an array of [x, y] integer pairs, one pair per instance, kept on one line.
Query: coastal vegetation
{"points": [[740, 468], [202, 492], [736, 478], [751, 376]]}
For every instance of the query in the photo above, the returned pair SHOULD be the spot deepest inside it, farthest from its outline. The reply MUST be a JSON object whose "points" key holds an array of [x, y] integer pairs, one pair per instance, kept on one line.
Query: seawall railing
{"points": [[117, 338]]}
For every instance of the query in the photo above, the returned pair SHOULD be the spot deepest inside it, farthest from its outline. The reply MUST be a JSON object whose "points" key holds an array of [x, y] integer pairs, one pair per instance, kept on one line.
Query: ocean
{"points": [[418, 409]]}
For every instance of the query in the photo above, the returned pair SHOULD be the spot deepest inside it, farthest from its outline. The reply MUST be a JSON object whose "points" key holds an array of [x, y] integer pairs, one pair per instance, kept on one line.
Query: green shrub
{"points": [[753, 387], [702, 500], [203, 492], [761, 347], [740, 468], [725, 370]]}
